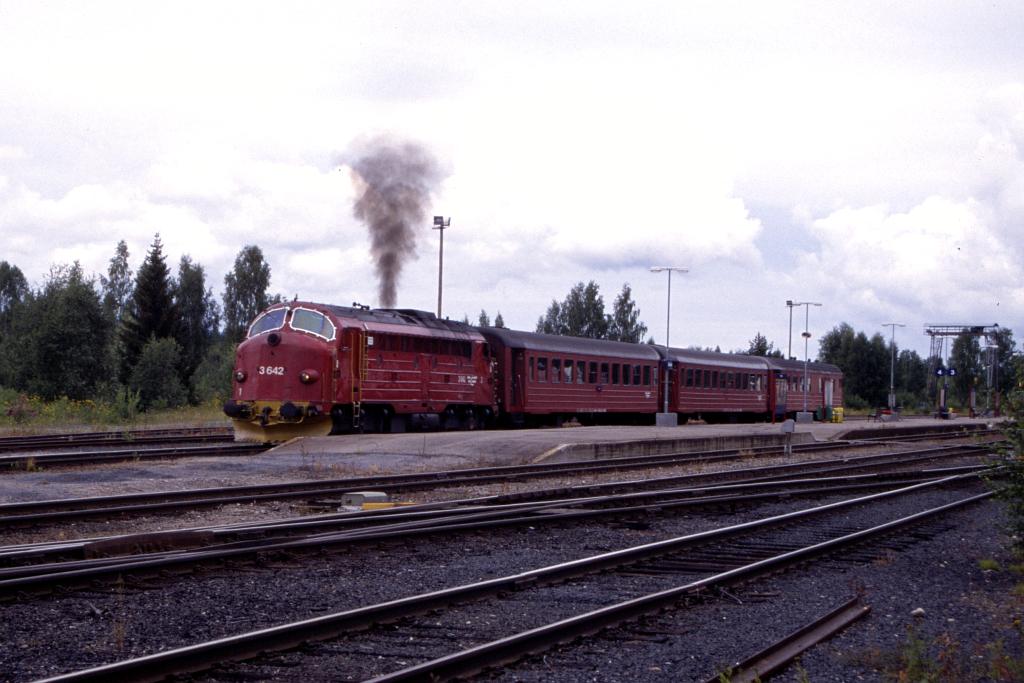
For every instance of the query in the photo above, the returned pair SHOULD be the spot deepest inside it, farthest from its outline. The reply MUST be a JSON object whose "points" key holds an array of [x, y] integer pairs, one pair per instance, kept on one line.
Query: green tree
{"points": [[864, 362], [581, 314], [117, 285], [624, 322], [1001, 364], [760, 346], [911, 373], [13, 290], [484, 320], [212, 379], [198, 315], [245, 291], [498, 320], [57, 342], [156, 375], [551, 322], [151, 310]]}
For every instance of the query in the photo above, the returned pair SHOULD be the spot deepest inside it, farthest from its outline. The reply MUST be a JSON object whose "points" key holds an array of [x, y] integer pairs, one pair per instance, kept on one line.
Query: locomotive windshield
{"points": [[271, 320], [311, 321]]}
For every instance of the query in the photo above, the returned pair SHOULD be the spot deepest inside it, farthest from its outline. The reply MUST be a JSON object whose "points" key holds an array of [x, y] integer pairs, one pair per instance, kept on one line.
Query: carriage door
{"points": [[829, 387], [518, 373], [781, 394]]}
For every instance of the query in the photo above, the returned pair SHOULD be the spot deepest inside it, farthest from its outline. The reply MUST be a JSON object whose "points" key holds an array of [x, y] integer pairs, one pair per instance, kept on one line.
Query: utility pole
{"points": [[665, 419]]}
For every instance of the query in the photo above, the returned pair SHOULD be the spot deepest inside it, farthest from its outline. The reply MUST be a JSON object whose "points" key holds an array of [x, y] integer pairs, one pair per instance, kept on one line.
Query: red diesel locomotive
{"points": [[309, 369]]}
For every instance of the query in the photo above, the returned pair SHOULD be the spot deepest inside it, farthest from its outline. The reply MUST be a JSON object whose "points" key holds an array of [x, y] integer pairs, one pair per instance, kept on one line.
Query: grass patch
{"points": [[23, 414]]}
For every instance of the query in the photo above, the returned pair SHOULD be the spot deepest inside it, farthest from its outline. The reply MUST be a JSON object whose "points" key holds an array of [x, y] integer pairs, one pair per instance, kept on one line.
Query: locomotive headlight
{"points": [[309, 376], [240, 376]]}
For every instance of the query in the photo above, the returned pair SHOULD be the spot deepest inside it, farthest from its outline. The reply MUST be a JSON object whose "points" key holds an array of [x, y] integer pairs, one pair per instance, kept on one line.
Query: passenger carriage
{"points": [[548, 379]]}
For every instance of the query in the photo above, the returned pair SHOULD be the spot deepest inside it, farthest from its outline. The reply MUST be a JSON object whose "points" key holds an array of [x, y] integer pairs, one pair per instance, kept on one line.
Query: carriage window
{"points": [[581, 371], [637, 370], [615, 373], [567, 370], [271, 320], [592, 375], [689, 377], [627, 370], [556, 370], [542, 369], [647, 375], [603, 379], [533, 376], [714, 378]]}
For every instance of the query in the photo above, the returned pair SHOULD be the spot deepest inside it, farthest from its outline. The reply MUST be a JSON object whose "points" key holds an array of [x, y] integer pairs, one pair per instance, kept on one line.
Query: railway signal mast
{"points": [[939, 333]]}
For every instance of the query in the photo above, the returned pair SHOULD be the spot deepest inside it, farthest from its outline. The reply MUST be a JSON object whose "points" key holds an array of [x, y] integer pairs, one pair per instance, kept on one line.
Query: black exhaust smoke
{"points": [[394, 180]]}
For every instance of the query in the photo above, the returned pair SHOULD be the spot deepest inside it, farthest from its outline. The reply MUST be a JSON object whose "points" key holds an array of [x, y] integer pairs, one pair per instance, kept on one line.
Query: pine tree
{"points": [[245, 291], [151, 312], [199, 315], [484, 320], [498, 320]]}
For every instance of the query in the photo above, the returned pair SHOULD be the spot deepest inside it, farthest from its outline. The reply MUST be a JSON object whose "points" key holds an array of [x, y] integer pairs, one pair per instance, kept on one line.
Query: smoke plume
{"points": [[394, 180]]}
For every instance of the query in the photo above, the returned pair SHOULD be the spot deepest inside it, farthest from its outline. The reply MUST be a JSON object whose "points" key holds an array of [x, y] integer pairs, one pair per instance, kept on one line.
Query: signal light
{"points": [[309, 376], [240, 376]]}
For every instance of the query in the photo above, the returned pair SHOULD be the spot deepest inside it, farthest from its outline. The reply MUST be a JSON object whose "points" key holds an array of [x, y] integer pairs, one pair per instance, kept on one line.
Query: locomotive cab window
{"points": [[314, 322], [271, 320]]}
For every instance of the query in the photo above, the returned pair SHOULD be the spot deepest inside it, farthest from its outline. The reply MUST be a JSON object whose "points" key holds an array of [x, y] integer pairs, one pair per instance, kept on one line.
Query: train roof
{"points": [[798, 365], [554, 343], [729, 360], [381, 319]]}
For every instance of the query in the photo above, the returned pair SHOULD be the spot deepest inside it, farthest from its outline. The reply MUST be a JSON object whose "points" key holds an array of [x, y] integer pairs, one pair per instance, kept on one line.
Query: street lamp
{"points": [[807, 336], [663, 419], [892, 368], [790, 305], [440, 223]]}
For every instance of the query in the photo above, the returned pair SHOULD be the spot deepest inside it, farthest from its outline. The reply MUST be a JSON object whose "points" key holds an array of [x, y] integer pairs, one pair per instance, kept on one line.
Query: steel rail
{"points": [[135, 436], [198, 657], [512, 648], [780, 653], [114, 554], [24, 461], [36, 512]]}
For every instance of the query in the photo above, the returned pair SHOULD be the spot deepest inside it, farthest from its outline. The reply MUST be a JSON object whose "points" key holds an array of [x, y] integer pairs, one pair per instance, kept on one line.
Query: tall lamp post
{"points": [[892, 367], [665, 419], [440, 223], [790, 305], [806, 334]]}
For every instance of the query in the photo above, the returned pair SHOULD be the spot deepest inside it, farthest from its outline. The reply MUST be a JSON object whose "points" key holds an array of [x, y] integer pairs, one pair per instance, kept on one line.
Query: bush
{"points": [[211, 381], [854, 401], [155, 378]]}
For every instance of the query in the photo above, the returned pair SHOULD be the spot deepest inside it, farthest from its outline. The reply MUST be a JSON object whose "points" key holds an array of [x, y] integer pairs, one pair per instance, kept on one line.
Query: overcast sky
{"points": [[868, 155]]}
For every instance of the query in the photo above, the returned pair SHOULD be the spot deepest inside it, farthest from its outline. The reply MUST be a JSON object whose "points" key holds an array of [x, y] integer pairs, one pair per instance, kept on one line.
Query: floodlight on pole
{"points": [[790, 305], [440, 223], [668, 322], [892, 367]]}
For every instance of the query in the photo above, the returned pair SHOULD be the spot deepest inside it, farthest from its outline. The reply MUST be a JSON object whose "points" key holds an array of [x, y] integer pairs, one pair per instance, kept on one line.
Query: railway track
{"points": [[579, 597], [44, 566], [187, 449], [124, 437], [64, 510]]}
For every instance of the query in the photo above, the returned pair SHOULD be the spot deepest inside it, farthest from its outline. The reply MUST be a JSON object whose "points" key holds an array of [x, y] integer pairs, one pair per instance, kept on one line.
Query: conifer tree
{"points": [[151, 313], [198, 315]]}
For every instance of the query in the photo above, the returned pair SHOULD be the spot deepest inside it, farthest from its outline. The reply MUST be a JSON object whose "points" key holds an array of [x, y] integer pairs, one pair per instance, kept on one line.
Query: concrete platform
{"points": [[443, 450]]}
